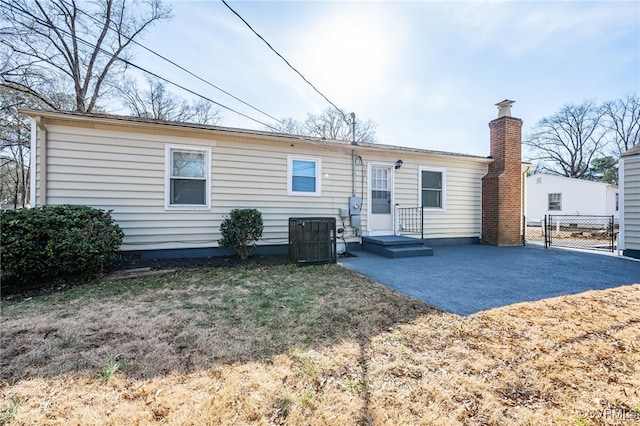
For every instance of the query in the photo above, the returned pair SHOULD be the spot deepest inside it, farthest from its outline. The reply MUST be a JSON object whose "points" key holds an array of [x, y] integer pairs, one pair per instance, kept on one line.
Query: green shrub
{"points": [[240, 230], [54, 243]]}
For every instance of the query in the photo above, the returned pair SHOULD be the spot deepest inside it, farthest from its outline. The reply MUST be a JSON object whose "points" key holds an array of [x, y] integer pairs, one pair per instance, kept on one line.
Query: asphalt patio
{"points": [[470, 278]]}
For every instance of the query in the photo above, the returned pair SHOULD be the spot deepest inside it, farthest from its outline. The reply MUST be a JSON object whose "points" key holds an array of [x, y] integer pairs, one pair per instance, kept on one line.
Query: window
{"points": [[188, 177], [432, 184], [617, 201], [303, 176], [555, 202]]}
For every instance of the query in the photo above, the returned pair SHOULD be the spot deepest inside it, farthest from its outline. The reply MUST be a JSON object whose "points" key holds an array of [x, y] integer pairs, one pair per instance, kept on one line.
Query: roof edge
{"points": [[634, 150], [140, 121], [573, 179]]}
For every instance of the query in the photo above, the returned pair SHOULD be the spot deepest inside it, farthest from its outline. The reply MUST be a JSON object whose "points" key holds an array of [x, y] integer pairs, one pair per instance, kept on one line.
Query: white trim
{"points": [[33, 165], [621, 212], [167, 178], [443, 198], [391, 167], [208, 130], [290, 159]]}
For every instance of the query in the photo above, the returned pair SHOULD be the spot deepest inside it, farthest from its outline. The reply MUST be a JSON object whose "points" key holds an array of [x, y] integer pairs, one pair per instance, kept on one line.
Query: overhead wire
{"points": [[129, 63], [183, 68], [344, 116]]}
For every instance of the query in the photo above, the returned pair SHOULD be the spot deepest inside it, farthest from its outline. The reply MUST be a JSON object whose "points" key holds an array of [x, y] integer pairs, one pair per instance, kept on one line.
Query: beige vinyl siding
{"points": [[255, 176], [462, 216], [121, 167], [631, 202], [124, 171]]}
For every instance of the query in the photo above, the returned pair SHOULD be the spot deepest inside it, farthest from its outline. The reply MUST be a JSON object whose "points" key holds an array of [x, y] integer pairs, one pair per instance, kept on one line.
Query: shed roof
{"points": [[571, 179], [633, 151]]}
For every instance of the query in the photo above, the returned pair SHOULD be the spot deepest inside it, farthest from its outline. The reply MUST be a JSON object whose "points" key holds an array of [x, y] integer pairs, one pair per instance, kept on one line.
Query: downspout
{"points": [[523, 206], [37, 122], [620, 244]]}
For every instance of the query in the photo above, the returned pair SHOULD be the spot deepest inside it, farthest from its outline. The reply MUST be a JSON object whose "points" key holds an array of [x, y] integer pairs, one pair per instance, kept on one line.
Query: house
{"points": [[559, 195], [169, 185], [629, 173]]}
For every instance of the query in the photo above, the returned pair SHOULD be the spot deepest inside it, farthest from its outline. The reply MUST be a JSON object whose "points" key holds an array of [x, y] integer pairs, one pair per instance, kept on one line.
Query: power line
{"points": [[182, 68], [191, 91], [344, 117], [53, 27], [27, 14]]}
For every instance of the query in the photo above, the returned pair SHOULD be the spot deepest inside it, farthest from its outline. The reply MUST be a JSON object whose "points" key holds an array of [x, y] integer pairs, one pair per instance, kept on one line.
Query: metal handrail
{"points": [[409, 220]]}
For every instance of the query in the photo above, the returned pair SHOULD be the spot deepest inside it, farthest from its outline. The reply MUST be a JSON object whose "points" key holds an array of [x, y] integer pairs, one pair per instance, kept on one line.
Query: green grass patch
{"points": [[10, 412]]}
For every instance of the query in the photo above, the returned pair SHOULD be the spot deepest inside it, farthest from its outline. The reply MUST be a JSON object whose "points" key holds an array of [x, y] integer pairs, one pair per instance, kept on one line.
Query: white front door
{"points": [[380, 211]]}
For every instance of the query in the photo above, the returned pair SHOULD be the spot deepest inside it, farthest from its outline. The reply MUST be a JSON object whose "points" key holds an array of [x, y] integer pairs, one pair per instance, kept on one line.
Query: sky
{"points": [[428, 73]]}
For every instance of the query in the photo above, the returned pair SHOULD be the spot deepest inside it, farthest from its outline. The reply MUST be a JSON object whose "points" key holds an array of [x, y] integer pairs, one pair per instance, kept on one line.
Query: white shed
{"points": [[560, 195], [629, 172]]}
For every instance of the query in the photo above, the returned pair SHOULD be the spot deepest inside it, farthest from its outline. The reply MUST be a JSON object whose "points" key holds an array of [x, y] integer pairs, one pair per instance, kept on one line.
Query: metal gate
{"points": [[580, 231]]}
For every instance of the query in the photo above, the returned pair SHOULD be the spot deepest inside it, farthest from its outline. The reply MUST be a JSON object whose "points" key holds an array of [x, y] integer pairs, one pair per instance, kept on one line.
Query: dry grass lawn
{"points": [[308, 346]]}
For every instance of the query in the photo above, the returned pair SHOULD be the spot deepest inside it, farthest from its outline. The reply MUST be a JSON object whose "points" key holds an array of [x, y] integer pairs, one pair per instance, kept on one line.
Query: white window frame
{"points": [[290, 191], [443, 199], [559, 209], [167, 178]]}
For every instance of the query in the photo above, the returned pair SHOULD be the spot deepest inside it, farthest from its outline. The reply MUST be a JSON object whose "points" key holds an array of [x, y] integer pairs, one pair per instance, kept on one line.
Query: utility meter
{"points": [[355, 205]]}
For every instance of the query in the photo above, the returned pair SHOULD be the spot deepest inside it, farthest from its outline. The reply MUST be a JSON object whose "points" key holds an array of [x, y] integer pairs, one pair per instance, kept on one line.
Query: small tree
{"points": [[604, 169], [240, 230]]}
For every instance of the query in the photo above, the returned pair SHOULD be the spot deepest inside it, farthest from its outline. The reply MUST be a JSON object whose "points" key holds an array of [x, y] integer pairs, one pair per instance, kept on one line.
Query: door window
{"points": [[380, 190]]}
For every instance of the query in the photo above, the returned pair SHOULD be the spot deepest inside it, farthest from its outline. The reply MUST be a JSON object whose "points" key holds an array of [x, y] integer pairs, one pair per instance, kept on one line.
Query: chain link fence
{"points": [[575, 231]]}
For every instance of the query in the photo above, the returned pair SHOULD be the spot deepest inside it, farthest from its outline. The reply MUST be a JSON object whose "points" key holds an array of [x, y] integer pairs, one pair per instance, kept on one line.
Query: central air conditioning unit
{"points": [[312, 240]]}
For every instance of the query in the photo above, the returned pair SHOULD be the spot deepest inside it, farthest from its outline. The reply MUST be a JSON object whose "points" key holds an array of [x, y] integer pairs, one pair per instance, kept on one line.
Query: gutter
{"points": [[343, 146]]}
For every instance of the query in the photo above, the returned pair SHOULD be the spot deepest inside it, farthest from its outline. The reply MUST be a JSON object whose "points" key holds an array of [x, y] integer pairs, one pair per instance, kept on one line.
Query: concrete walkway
{"points": [[472, 278]]}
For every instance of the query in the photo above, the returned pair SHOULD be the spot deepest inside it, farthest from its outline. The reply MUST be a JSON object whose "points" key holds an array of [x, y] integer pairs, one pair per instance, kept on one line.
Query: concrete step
{"points": [[397, 252], [396, 247], [392, 240]]}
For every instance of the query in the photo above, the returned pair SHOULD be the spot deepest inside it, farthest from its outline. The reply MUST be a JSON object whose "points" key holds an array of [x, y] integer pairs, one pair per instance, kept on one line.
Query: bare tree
{"points": [[15, 139], [159, 103], [289, 126], [70, 46], [623, 122], [567, 141], [331, 124], [14, 149]]}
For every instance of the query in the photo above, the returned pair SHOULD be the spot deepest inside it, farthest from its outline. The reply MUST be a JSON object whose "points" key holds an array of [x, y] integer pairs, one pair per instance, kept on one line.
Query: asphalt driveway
{"points": [[472, 278]]}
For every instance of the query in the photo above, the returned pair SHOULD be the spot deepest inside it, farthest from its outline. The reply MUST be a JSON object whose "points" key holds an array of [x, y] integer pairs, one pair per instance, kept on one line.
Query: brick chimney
{"points": [[502, 186]]}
